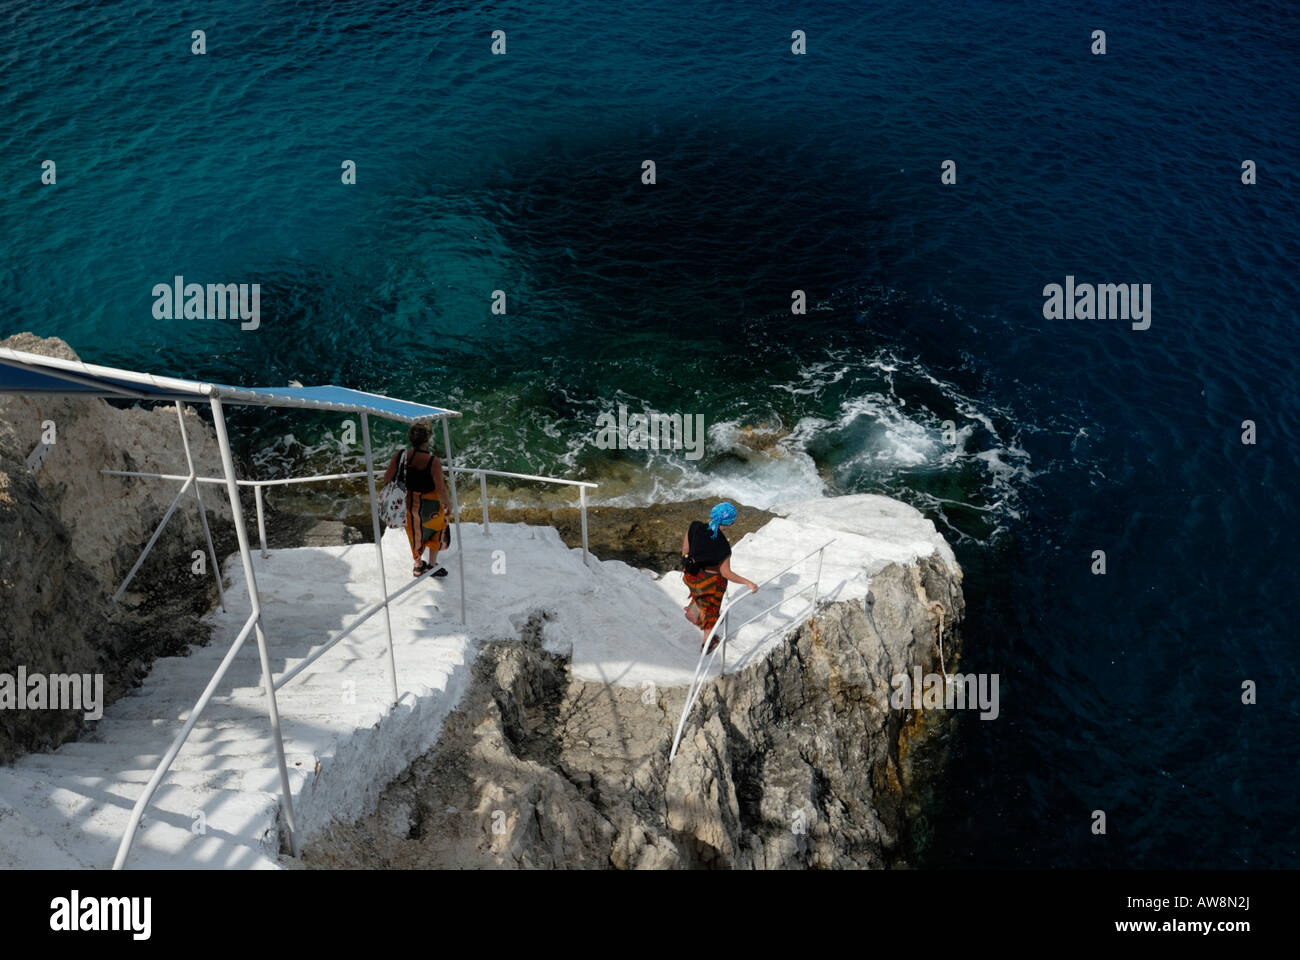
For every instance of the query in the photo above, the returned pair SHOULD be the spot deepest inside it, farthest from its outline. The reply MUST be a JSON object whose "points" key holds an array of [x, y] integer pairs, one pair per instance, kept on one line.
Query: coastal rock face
{"points": [[68, 536], [557, 755], [796, 761]]}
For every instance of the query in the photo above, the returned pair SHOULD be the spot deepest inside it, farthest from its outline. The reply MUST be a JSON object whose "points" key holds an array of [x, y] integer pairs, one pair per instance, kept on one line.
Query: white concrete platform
{"points": [[344, 740]]}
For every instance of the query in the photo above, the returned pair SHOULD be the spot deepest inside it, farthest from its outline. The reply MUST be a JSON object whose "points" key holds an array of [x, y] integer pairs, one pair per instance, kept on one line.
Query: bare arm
{"points": [[686, 546], [392, 469], [728, 574]]}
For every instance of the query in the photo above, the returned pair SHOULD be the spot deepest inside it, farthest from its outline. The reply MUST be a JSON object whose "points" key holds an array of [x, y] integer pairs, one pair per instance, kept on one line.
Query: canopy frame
{"points": [[54, 376]]}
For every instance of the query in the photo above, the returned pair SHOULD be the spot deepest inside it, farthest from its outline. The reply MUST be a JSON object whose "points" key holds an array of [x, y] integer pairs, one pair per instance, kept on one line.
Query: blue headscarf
{"points": [[723, 515]]}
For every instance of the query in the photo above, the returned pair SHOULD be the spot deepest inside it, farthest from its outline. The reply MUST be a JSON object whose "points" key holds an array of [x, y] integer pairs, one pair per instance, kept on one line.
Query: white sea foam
{"points": [[880, 436], [876, 440]]}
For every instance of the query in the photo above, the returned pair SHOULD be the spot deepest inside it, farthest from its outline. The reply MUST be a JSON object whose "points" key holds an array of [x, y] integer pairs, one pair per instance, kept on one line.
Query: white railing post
{"points": [[246, 556], [582, 504], [455, 509], [482, 492], [379, 551], [203, 514], [261, 518]]}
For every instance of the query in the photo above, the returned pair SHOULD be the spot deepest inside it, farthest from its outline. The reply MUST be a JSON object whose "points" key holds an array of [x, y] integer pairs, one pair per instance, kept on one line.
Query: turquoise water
{"points": [[522, 173]]}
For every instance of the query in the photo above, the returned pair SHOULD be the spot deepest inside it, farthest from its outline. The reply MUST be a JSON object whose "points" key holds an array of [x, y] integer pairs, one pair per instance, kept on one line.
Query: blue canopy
{"points": [[31, 373], [332, 398]]}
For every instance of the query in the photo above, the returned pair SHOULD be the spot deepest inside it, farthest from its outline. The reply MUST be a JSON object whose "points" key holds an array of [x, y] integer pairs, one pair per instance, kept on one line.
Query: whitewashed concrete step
{"points": [[157, 731], [86, 817], [237, 747], [25, 847], [129, 758], [265, 779]]}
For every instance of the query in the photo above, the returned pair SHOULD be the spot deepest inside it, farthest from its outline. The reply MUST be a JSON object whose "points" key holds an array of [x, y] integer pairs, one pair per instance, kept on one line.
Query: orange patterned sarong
{"points": [[426, 523], [707, 590]]}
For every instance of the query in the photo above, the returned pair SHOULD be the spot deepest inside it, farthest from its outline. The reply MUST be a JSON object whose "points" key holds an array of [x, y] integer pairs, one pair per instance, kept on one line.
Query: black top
{"points": [[705, 548], [419, 471]]}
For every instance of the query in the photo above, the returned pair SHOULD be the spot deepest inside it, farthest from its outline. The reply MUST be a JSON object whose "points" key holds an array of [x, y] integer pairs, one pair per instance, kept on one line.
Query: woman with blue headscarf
{"points": [[706, 568]]}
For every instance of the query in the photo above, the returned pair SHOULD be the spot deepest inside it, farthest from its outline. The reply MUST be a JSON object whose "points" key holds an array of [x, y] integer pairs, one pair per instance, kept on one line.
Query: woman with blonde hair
{"points": [[427, 522]]}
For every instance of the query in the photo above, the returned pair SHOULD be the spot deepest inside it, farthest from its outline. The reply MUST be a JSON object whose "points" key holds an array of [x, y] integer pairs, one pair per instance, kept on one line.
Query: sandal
{"points": [[421, 569]]}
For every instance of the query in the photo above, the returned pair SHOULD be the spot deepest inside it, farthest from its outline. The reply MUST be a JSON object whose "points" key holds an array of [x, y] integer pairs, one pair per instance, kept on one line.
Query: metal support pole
{"points": [[261, 519], [189, 482], [582, 503], [379, 551], [818, 582], [724, 644], [203, 514], [455, 509], [273, 712], [482, 492]]}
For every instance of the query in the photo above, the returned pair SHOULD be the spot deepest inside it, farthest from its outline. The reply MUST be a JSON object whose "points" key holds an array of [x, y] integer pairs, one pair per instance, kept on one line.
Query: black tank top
{"points": [[419, 477], [706, 549]]}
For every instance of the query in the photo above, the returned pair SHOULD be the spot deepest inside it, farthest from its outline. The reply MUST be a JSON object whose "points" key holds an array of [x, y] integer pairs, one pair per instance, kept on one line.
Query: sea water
{"points": [[500, 253]]}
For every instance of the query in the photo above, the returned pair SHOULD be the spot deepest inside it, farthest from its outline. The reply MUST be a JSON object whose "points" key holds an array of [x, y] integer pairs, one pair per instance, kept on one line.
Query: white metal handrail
{"points": [[179, 741], [482, 473], [192, 481], [253, 625], [706, 655], [285, 481]]}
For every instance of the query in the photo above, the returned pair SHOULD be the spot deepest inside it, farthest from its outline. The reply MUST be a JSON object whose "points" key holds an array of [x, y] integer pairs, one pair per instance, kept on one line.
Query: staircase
{"points": [[218, 806], [344, 741]]}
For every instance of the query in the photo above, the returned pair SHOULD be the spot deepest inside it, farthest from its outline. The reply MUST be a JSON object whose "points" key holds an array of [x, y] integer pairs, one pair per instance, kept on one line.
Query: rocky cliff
{"points": [[798, 761]]}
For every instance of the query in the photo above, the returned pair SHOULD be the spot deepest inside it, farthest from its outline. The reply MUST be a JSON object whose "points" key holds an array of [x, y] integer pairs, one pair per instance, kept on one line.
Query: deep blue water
{"points": [[1119, 692]]}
